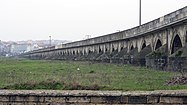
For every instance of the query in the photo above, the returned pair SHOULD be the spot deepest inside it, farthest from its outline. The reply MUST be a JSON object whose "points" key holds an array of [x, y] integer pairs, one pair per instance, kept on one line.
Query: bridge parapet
{"points": [[162, 22], [78, 97], [145, 29]]}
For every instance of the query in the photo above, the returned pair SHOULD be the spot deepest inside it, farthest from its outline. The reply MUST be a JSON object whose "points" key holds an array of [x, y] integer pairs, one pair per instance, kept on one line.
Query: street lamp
{"points": [[49, 41], [140, 13]]}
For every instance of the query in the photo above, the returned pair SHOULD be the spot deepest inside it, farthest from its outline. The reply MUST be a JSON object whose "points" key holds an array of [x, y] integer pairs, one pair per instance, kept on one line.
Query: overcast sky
{"points": [[73, 19]]}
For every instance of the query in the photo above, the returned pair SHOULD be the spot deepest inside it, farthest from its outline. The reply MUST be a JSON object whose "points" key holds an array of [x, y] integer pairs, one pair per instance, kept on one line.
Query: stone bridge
{"points": [[165, 36]]}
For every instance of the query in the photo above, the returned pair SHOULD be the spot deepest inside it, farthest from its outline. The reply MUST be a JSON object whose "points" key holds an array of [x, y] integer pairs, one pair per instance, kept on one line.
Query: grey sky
{"points": [[73, 19]]}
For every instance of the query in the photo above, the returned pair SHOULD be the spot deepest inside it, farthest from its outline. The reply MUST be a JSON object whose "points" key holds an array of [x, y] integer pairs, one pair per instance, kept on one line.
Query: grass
{"points": [[65, 75]]}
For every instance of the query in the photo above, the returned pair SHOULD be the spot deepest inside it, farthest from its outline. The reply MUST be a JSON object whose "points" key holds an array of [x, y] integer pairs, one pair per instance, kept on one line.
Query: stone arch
{"points": [[73, 52], [100, 50], [143, 44], [106, 49], [121, 48], [132, 47], [176, 44], [89, 51], [158, 44], [113, 49]]}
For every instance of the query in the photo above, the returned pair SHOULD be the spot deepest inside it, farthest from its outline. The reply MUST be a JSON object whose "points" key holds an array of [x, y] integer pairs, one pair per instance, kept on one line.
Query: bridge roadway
{"points": [[166, 35]]}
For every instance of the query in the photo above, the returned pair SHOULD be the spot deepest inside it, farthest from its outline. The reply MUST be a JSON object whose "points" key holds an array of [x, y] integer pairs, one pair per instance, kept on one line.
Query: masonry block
{"points": [[23, 99], [78, 99], [98, 100], [113, 99], [34, 99], [124, 99], [171, 100], [137, 100], [185, 100], [4, 98], [152, 99], [55, 99]]}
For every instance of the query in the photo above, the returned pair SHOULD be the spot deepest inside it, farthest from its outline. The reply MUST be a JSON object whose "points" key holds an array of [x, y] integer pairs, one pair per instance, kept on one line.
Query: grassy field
{"points": [[64, 75]]}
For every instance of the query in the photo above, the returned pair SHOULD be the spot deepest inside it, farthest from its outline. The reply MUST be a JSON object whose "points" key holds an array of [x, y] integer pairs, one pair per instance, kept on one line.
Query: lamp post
{"points": [[49, 41], [140, 13]]}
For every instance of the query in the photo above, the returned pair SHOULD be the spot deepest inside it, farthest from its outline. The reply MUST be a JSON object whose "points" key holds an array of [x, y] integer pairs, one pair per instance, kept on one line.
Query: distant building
{"points": [[1, 47], [19, 48], [36, 47], [11, 48], [59, 46]]}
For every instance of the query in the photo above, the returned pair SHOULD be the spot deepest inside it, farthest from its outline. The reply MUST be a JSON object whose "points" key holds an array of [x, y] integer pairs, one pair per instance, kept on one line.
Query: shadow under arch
{"points": [[106, 49], [158, 44], [89, 51], [100, 50], [73, 52], [121, 48], [132, 47], [186, 37], [176, 44], [113, 49], [143, 45]]}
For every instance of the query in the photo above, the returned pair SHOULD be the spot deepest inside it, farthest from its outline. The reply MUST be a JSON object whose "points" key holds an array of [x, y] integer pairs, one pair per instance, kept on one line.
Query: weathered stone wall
{"points": [[50, 97]]}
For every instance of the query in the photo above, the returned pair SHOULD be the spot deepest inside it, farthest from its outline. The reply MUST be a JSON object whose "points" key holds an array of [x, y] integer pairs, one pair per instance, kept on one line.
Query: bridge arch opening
{"points": [[89, 51], [106, 50], [186, 36], [177, 44], [73, 52], [158, 44], [121, 48], [100, 50], [113, 49], [143, 45], [132, 47]]}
